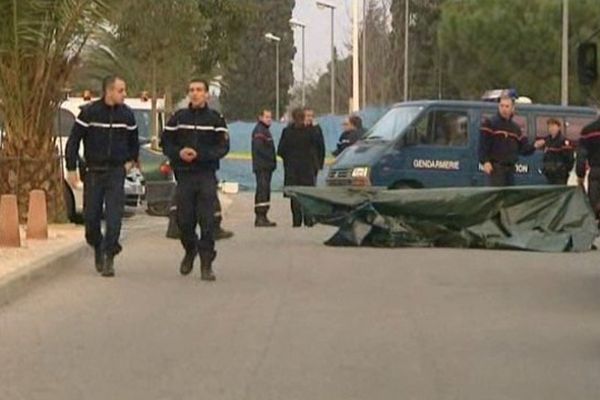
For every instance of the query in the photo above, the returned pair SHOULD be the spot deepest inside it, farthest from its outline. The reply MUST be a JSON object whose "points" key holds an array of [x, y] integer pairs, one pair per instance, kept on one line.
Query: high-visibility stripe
{"points": [[80, 122], [195, 128], [116, 126], [590, 135], [262, 205]]}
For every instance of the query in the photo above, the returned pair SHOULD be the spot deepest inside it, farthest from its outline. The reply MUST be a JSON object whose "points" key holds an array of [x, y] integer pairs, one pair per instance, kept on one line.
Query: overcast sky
{"points": [[318, 36]]}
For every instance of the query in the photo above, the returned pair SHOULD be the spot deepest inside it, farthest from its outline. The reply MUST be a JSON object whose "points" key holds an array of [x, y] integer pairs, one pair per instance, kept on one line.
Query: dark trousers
{"points": [[502, 175], [196, 202], [594, 189], [104, 193], [299, 216], [262, 197]]}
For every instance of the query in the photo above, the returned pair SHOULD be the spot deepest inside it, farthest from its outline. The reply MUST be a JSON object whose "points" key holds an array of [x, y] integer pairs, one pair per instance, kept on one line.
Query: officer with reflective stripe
{"points": [[558, 155], [194, 140], [264, 162], [588, 153], [501, 143], [111, 147]]}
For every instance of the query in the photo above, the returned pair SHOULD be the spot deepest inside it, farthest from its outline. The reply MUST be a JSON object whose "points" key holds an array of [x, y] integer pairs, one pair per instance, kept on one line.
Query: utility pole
{"points": [[564, 85]]}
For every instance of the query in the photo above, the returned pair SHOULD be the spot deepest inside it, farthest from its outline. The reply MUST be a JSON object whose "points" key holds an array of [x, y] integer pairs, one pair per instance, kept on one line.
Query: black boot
{"points": [[262, 221], [206, 260], [99, 258], [187, 264], [221, 233], [109, 270]]}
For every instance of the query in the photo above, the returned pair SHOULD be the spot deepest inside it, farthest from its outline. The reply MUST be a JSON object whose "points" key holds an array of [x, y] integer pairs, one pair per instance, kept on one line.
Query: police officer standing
{"points": [[111, 147], [194, 140], [264, 162], [501, 144], [588, 153], [558, 155]]}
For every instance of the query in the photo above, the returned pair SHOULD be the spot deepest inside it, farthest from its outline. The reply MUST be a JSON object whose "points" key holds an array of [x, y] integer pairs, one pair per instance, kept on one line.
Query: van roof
{"points": [[487, 104]]}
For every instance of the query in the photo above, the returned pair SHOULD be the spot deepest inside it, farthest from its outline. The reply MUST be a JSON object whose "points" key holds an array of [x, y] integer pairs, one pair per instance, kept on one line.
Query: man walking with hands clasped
{"points": [[194, 140]]}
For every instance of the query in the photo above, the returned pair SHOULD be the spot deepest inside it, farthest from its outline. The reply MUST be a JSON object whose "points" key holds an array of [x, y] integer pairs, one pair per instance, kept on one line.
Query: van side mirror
{"points": [[587, 63]]}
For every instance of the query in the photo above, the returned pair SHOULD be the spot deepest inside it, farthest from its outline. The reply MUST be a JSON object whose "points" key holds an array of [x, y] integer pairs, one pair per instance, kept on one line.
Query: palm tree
{"points": [[40, 43]]}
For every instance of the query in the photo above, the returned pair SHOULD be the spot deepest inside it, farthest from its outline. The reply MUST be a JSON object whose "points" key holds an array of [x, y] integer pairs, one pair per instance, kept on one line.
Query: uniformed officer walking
{"points": [[264, 162], [194, 140], [588, 153], [111, 147], [558, 155], [501, 144]]}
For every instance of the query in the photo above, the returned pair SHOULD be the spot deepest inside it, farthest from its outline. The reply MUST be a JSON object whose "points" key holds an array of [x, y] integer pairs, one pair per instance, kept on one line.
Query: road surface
{"points": [[290, 318]]}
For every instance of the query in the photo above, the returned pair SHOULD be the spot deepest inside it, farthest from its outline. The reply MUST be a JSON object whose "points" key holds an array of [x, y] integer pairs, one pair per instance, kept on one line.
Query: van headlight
{"points": [[360, 172]]}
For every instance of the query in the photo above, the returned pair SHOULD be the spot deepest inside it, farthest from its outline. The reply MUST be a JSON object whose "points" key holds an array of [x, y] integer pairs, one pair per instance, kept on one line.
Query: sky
{"points": [[318, 34]]}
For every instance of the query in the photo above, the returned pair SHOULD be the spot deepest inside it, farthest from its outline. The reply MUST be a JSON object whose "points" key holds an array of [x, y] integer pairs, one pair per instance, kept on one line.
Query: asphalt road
{"points": [[290, 318]]}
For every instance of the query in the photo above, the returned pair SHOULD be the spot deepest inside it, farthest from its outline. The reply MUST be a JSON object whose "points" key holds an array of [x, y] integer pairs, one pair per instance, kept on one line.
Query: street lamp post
{"points": [[355, 64], [564, 92], [331, 7], [276, 39], [406, 24], [297, 24]]}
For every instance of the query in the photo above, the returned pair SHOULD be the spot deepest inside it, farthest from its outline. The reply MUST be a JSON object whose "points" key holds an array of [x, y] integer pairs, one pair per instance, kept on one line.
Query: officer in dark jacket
{"points": [[264, 162], [558, 155], [111, 147], [501, 144], [318, 151], [194, 140], [349, 136], [588, 153]]}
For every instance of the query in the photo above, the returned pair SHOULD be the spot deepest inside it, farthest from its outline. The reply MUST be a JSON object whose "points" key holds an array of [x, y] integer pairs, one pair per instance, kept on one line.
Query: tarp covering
{"points": [[540, 218]]}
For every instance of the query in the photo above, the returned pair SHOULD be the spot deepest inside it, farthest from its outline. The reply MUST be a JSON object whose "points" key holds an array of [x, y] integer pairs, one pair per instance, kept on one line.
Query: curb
{"points": [[24, 279]]}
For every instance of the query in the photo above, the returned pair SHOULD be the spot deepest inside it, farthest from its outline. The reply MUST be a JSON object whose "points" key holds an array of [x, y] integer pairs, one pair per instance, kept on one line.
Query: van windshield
{"points": [[392, 124]]}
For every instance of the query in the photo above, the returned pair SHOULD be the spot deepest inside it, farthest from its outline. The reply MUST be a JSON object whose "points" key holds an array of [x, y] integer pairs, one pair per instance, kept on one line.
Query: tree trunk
{"points": [[28, 166]]}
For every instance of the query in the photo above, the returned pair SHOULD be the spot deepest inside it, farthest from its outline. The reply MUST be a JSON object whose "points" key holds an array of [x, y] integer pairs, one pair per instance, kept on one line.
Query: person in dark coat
{"points": [[558, 155], [350, 135], [295, 148], [318, 152], [264, 162]]}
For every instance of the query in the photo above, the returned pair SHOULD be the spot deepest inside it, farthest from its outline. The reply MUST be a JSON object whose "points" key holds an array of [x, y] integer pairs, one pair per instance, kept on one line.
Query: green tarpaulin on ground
{"points": [[539, 218]]}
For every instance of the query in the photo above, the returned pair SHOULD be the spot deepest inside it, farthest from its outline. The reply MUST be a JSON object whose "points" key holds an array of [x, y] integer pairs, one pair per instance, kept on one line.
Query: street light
{"points": [[276, 39], [322, 5], [297, 24]]}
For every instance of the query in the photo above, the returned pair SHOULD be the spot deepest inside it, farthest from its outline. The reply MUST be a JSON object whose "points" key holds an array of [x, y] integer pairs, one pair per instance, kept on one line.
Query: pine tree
{"points": [[249, 80]]}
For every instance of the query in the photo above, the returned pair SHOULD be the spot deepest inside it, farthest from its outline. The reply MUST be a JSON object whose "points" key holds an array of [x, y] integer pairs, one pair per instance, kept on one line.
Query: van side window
{"points": [[575, 125], [443, 128], [541, 125]]}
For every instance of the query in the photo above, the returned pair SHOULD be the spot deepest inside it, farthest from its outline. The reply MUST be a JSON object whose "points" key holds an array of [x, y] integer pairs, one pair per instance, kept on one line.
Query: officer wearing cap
{"points": [[501, 144], [194, 140]]}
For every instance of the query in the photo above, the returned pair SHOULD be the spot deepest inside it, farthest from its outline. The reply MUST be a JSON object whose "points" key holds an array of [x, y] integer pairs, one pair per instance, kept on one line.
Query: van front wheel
{"points": [[403, 185]]}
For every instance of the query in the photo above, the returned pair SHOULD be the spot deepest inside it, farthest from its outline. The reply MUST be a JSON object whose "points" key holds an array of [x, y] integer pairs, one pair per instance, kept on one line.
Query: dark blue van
{"points": [[425, 144]]}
